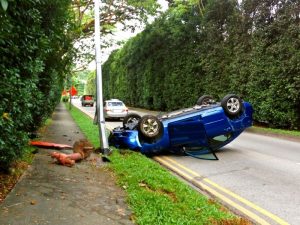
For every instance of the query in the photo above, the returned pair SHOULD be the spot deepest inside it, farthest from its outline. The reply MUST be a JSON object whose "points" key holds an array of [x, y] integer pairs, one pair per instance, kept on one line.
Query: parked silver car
{"points": [[115, 108]]}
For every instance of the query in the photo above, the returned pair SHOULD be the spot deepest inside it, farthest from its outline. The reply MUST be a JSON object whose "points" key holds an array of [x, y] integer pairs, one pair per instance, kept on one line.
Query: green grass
{"points": [[153, 193], [28, 155], [86, 125], [292, 133]]}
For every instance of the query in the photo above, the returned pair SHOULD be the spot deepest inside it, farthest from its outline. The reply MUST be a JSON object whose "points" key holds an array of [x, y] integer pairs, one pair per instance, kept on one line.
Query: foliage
{"points": [[90, 87], [79, 81], [250, 48], [4, 4], [35, 56]]}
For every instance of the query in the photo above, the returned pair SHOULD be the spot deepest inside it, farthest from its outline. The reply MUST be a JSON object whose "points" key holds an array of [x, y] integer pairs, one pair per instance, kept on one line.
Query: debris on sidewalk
{"points": [[44, 144], [81, 150]]}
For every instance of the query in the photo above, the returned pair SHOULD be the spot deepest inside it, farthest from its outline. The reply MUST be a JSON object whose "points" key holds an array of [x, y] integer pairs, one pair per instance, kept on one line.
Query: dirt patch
{"points": [[8, 179], [167, 193]]}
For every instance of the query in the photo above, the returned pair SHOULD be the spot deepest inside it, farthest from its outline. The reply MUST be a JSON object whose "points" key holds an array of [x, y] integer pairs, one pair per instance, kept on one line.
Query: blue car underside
{"points": [[195, 131]]}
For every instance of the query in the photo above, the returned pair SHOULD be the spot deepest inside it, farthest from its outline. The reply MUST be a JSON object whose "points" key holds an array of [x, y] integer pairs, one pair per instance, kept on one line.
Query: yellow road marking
{"points": [[215, 193], [243, 200]]}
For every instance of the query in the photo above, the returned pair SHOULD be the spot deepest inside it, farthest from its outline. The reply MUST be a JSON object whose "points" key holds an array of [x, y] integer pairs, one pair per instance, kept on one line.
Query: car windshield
{"points": [[115, 104]]}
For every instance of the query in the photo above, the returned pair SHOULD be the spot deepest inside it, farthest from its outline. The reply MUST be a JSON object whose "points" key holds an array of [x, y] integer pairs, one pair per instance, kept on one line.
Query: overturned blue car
{"points": [[200, 129]]}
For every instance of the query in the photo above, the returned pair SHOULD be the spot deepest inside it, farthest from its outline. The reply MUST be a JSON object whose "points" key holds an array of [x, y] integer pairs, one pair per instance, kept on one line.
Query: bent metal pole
{"points": [[99, 103]]}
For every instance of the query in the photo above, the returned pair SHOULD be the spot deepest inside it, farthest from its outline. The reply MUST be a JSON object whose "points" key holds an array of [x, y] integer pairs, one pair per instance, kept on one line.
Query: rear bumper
{"points": [[87, 102], [115, 115]]}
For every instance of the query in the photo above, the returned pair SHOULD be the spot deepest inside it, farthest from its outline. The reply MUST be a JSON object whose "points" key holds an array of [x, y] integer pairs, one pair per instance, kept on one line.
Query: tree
{"points": [[36, 57], [249, 48]]}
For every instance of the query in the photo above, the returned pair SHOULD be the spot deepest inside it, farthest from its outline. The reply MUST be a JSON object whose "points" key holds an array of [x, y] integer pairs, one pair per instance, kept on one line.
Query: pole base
{"points": [[106, 151]]}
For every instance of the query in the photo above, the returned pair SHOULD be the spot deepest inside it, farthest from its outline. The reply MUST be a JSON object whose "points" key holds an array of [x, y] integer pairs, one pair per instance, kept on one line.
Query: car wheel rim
{"points": [[150, 127], [233, 105]]}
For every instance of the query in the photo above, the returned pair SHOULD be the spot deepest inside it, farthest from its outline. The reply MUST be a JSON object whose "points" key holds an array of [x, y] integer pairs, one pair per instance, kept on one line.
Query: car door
{"points": [[189, 132]]}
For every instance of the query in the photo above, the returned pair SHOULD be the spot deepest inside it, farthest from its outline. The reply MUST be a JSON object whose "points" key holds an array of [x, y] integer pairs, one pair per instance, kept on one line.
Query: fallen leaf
{"points": [[142, 185], [33, 202], [121, 212]]}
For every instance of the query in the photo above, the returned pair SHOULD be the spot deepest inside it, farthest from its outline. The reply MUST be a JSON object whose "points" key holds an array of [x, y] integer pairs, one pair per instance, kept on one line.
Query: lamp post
{"points": [[99, 99]]}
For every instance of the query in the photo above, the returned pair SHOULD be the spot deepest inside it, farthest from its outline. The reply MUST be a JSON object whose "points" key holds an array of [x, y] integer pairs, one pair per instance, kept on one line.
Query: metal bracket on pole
{"points": [[99, 100]]}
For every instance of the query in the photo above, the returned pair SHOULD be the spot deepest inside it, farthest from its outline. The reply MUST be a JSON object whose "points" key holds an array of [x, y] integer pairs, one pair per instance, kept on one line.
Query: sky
{"points": [[123, 36]]}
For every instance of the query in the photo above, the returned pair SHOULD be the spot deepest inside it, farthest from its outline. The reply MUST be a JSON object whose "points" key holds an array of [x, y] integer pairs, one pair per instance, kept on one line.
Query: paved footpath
{"points": [[48, 193]]}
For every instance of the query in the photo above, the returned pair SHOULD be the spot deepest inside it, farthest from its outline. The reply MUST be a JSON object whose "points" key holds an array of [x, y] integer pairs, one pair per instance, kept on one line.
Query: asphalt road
{"points": [[254, 173], [261, 169]]}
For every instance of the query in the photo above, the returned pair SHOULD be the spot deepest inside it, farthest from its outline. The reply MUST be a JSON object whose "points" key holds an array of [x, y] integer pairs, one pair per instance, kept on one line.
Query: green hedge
{"points": [[251, 49], [34, 60]]}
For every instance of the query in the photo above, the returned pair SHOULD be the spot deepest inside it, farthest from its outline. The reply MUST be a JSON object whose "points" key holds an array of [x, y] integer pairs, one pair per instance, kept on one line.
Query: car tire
{"points": [[131, 121], [205, 100], [150, 128], [232, 105]]}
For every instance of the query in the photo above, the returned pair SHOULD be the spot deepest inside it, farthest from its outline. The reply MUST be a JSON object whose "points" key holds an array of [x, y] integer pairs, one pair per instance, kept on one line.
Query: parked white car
{"points": [[115, 108]]}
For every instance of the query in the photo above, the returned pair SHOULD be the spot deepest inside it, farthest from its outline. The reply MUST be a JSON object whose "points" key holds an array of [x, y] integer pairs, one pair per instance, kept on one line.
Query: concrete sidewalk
{"points": [[49, 193]]}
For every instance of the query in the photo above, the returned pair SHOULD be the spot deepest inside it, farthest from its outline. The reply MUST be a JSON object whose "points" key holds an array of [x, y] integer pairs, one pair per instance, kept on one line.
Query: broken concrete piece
{"points": [[82, 149], [63, 159], [44, 144]]}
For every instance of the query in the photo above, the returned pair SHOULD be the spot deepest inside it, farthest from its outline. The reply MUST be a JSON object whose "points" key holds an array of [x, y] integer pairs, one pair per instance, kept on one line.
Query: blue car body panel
{"points": [[194, 128]]}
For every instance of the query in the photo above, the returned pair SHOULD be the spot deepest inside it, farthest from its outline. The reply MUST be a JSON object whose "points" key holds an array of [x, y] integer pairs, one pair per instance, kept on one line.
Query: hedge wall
{"points": [[251, 49], [34, 60]]}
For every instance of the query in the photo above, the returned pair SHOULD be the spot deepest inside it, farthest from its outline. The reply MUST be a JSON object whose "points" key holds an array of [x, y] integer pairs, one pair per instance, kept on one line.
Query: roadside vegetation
{"points": [[10, 176], [153, 193], [38, 57], [249, 48], [273, 131], [215, 47], [35, 58]]}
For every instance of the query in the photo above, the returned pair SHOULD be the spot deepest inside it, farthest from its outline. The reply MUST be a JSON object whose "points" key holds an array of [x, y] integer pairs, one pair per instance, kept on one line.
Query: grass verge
{"points": [[153, 193], [287, 133]]}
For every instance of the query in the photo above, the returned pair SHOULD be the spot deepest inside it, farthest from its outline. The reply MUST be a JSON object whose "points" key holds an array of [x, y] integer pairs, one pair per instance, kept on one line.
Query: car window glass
{"points": [[219, 139], [116, 104]]}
